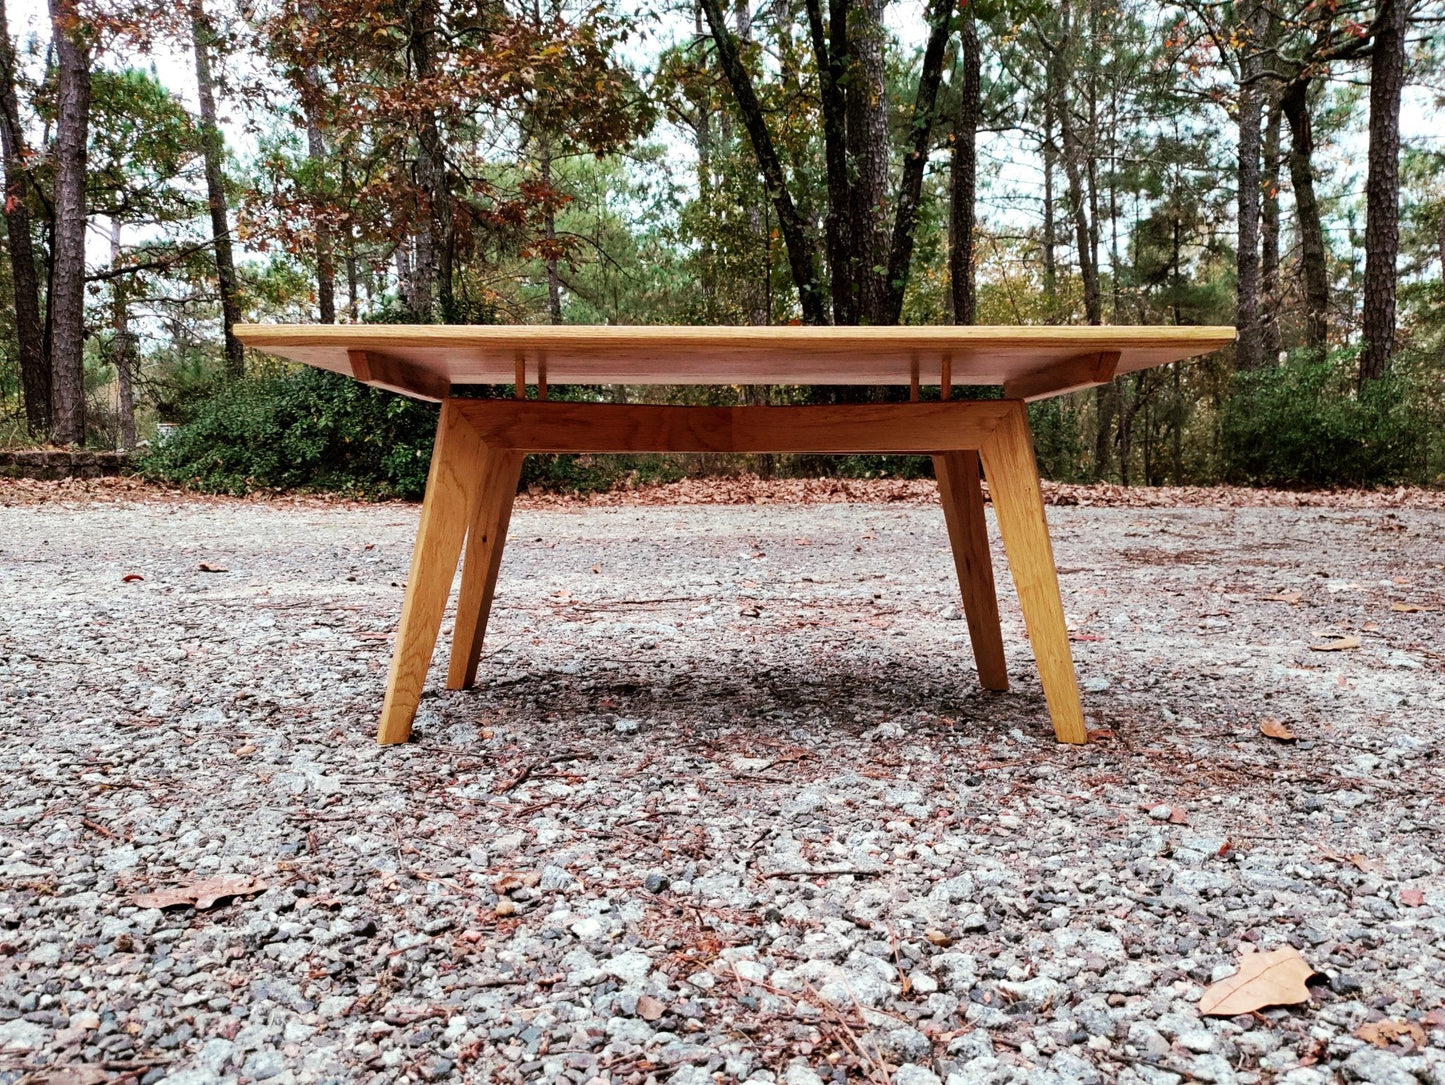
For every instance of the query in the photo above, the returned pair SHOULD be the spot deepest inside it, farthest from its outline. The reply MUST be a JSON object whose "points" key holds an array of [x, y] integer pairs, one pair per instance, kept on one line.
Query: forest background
{"points": [[171, 169]]}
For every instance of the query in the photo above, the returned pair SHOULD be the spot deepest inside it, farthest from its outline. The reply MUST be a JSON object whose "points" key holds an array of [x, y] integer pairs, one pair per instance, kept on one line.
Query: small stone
{"points": [[1370, 1064], [798, 1074], [912, 1074], [656, 881], [505, 907], [626, 726], [587, 929], [1161, 812]]}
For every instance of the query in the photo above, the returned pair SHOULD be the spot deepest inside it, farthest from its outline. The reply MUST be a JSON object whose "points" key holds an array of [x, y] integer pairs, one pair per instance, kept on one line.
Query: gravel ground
{"points": [[728, 804]]}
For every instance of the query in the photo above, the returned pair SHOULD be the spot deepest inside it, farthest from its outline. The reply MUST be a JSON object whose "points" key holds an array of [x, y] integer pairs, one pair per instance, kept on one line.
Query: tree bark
{"points": [[790, 224], [123, 343], [830, 52], [1050, 153], [25, 281], [1382, 190], [899, 257], [67, 289], [432, 263], [1248, 352], [1294, 103], [213, 150], [549, 230], [1269, 330], [868, 158], [963, 179], [316, 153], [1073, 156]]}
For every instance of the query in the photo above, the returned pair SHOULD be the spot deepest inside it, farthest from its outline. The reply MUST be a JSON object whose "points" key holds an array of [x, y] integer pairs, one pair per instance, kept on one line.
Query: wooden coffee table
{"points": [[480, 444]]}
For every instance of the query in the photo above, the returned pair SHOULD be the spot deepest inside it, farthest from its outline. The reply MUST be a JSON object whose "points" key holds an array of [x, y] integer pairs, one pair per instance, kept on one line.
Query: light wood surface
{"points": [[962, 499], [450, 493], [1018, 502], [556, 426], [487, 535], [575, 354]]}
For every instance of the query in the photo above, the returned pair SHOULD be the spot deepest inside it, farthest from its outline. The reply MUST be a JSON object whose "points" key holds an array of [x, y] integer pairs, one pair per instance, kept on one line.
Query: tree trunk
{"points": [[549, 229], [67, 290], [962, 193], [1294, 103], [316, 154], [1074, 166], [830, 52], [431, 267], [1248, 351], [867, 99], [790, 223], [1269, 330], [1051, 274], [1382, 190], [213, 149], [25, 282], [123, 343]]}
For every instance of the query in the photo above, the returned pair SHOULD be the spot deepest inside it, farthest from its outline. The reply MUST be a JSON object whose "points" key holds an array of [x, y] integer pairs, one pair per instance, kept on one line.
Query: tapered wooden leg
{"points": [[450, 487], [1013, 481], [962, 500], [501, 468]]}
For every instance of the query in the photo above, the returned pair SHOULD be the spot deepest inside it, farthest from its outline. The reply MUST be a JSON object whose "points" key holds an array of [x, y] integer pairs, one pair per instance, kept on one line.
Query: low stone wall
{"points": [[43, 463]]}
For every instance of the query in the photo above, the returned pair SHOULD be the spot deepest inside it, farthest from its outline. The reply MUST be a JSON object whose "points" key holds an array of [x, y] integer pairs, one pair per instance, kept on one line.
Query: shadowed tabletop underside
{"points": [[431, 357]]}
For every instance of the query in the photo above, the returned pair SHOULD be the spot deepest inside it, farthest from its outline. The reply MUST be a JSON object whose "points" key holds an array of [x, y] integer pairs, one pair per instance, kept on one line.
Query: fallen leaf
{"points": [[1290, 597], [86, 1074], [1276, 978], [131, 576], [211, 568], [203, 894], [1435, 1019], [1340, 643], [512, 881], [1385, 1033], [1273, 728], [1371, 627], [1412, 898], [1087, 638], [1099, 734], [1226, 849], [596, 568], [938, 938], [1178, 816], [242, 751], [1411, 608], [649, 1008]]}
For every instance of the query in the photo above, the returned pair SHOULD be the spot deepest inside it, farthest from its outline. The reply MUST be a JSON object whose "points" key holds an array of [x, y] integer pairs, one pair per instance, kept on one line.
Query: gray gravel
{"points": [[727, 806]]}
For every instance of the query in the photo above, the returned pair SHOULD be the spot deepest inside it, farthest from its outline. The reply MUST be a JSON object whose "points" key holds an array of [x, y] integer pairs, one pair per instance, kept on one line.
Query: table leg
{"points": [[1013, 480], [450, 485], [962, 500], [501, 469]]}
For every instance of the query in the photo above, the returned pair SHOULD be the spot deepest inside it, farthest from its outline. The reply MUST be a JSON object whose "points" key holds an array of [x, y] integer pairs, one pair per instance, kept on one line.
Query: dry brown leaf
{"points": [[84, 1074], [1385, 1033], [1178, 816], [649, 1008], [1435, 1019], [1273, 728], [212, 568], [203, 894], [1412, 898], [1290, 597], [1339, 643], [514, 880], [1411, 608], [1371, 627], [1099, 734], [1276, 978], [130, 577]]}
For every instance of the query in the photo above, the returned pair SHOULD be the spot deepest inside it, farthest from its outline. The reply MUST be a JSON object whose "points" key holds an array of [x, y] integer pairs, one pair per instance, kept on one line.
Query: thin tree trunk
{"points": [[431, 267], [1248, 353], [1294, 102], [316, 154], [703, 130], [25, 282], [212, 151], [123, 343], [790, 224], [1269, 330], [963, 188], [67, 290], [1382, 190], [549, 230], [1051, 274]]}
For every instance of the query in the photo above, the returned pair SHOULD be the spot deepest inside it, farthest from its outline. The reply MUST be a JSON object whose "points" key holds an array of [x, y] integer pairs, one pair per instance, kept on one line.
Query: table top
{"points": [[425, 358]]}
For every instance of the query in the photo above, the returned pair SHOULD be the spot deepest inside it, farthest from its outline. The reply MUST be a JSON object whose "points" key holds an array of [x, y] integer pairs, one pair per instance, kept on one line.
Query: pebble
{"points": [[819, 808]]}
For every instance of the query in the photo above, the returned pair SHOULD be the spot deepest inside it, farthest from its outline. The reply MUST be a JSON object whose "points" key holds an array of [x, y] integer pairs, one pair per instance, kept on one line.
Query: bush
{"points": [[1302, 424], [299, 429]]}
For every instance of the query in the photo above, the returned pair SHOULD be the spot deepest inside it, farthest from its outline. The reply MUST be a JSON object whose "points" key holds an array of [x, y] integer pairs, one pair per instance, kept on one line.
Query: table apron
{"points": [[558, 426]]}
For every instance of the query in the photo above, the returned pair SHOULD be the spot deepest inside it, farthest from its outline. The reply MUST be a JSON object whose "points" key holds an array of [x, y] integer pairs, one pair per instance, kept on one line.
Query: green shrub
{"points": [[298, 429], [1303, 424]]}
